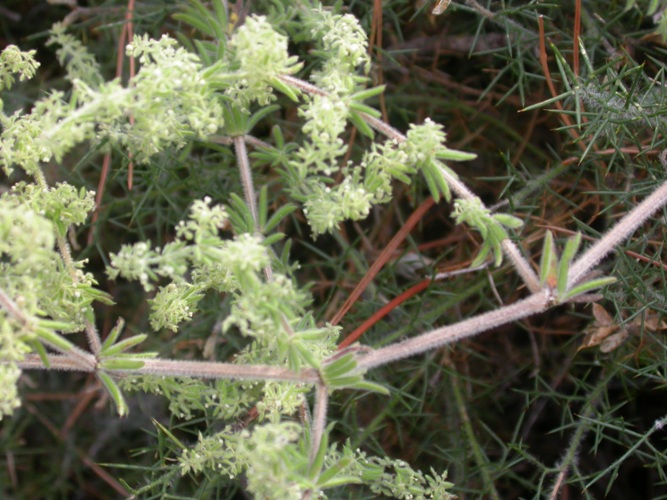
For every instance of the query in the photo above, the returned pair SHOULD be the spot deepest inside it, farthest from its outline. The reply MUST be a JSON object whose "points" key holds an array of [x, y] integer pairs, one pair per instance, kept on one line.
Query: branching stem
{"points": [[511, 251]]}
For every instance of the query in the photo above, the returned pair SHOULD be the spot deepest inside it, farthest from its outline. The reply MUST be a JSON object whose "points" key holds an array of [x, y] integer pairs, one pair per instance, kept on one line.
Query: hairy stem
{"points": [[521, 265], [319, 421], [56, 362], [246, 176], [63, 247], [10, 306], [623, 228], [439, 337], [248, 188], [178, 368]]}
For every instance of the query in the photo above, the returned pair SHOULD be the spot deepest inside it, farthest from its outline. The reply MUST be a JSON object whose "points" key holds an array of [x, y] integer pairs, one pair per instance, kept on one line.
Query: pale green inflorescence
{"points": [[424, 142], [63, 204], [9, 376], [26, 258], [172, 102], [73, 55], [326, 119], [15, 61], [174, 304], [490, 226], [345, 48], [260, 53], [269, 454], [31, 267], [174, 99], [346, 201]]}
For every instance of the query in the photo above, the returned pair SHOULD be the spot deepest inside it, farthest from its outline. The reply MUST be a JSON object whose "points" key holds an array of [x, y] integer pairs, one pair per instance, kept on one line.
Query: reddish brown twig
{"points": [[383, 258]]}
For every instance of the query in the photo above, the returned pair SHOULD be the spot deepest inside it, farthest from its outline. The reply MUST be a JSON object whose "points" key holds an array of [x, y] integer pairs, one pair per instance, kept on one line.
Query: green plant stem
{"points": [[91, 333], [571, 453], [56, 362], [93, 337], [471, 440], [303, 85], [10, 306], [249, 139]]}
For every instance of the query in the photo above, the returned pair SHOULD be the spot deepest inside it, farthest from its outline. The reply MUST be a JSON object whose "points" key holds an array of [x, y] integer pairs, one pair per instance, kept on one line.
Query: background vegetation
{"points": [[540, 407]]}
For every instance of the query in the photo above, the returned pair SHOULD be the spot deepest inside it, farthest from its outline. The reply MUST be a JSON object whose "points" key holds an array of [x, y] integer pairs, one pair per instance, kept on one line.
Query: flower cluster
{"points": [[74, 57], [260, 53], [344, 47], [14, 61]]}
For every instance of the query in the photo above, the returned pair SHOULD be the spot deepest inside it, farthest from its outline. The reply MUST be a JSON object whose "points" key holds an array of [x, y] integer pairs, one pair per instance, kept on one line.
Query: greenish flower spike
{"points": [[261, 54], [275, 462], [383, 163], [425, 147], [26, 238], [174, 304], [20, 142], [64, 205], [212, 453], [490, 226], [261, 309], [14, 61], [9, 400], [172, 100], [205, 221], [344, 48], [135, 262], [74, 57], [329, 206], [326, 119], [15, 342], [271, 456], [245, 253]]}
